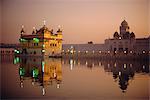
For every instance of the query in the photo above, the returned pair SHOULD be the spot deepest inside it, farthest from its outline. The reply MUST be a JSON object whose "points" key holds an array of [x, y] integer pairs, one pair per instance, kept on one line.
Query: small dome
{"points": [[22, 31], [116, 35], [132, 35], [124, 23], [59, 30]]}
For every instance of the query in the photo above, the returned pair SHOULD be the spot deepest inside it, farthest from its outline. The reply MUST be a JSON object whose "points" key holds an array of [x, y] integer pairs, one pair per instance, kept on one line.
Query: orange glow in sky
{"points": [[82, 20]]}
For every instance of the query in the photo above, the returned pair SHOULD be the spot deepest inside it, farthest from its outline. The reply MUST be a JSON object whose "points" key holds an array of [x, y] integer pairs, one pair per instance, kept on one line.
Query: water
{"points": [[73, 79]]}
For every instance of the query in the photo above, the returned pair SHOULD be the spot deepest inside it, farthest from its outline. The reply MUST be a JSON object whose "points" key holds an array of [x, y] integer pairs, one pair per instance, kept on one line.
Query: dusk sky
{"points": [[82, 20]]}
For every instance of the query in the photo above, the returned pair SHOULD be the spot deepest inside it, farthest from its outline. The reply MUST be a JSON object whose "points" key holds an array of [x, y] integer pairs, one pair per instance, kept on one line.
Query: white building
{"points": [[125, 42]]}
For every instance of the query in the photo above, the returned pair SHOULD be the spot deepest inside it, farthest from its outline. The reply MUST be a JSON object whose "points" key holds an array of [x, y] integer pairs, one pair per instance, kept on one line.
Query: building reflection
{"points": [[122, 71], [42, 72]]}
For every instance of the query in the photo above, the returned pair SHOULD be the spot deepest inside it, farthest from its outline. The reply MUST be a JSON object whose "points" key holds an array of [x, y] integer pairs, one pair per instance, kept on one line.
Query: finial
{"points": [[124, 18], [44, 22], [59, 26], [22, 26], [33, 28], [22, 29]]}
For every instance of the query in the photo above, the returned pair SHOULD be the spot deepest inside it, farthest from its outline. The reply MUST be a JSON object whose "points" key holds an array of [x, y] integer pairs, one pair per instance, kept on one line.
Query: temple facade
{"points": [[41, 42], [122, 42], [125, 42]]}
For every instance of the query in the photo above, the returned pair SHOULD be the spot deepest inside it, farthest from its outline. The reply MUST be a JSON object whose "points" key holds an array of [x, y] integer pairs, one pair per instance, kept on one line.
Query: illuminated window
{"points": [[21, 71], [16, 60], [143, 67], [143, 51], [100, 51], [43, 63], [22, 40], [17, 51], [35, 72], [43, 51], [119, 73], [124, 65], [36, 40], [71, 51], [125, 51]]}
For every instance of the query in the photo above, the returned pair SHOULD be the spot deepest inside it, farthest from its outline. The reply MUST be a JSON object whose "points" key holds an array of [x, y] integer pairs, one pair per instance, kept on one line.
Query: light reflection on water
{"points": [[74, 78]]}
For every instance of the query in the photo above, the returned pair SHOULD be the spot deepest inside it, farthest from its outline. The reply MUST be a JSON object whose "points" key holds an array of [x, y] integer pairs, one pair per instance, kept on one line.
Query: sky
{"points": [[81, 20]]}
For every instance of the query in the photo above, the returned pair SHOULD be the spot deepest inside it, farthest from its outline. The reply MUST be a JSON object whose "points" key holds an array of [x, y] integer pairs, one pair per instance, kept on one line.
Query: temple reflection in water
{"points": [[40, 71], [122, 71], [48, 71]]}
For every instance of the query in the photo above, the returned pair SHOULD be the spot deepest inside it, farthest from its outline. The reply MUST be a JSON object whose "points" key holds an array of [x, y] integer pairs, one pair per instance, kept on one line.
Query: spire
{"points": [[51, 31], [44, 22], [22, 26], [22, 29], [59, 26], [59, 29], [132, 35], [34, 30]]}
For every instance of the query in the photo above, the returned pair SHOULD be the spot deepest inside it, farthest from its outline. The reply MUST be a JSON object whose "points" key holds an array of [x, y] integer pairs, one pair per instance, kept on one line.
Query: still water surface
{"points": [[73, 79]]}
